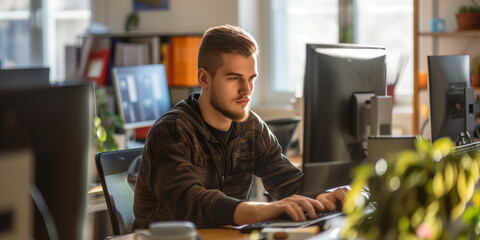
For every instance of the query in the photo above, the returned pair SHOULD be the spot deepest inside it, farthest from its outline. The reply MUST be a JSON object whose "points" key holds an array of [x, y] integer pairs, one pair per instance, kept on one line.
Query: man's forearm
{"points": [[295, 206], [249, 212]]}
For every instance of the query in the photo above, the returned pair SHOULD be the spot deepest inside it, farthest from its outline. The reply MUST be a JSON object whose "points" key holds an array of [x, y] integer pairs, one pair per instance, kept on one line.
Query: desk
{"points": [[206, 234], [232, 234], [97, 204]]}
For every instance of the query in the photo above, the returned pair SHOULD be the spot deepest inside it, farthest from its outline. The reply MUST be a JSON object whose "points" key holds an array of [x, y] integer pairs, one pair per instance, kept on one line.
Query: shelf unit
{"points": [[176, 51], [470, 33], [472, 37], [97, 41]]}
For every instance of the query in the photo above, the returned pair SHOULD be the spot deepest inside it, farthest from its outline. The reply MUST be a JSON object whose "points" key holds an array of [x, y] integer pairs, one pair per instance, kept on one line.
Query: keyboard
{"points": [[286, 222], [467, 148]]}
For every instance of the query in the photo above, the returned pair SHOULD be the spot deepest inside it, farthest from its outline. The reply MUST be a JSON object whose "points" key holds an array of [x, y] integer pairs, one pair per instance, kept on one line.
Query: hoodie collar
{"points": [[187, 108]]}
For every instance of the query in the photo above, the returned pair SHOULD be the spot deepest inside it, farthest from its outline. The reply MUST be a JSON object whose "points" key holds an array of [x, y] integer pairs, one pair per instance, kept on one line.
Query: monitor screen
{"points": [[24, 77], [141, 93], [56, 123], [451, 104], [334, 133]]}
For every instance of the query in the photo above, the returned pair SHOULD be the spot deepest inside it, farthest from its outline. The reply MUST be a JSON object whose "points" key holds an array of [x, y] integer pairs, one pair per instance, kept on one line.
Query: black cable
{"points": [[47, 216], [476, 132], [422, 128]]}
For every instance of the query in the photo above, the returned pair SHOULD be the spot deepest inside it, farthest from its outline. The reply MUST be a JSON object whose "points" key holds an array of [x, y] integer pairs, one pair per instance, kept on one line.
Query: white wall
{"points": [[446, 45], [183, 16], [195, 16]]}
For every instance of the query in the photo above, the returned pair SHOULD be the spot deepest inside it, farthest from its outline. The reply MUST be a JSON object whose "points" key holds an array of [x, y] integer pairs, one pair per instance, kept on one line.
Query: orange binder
{"points": [[184, 59]]}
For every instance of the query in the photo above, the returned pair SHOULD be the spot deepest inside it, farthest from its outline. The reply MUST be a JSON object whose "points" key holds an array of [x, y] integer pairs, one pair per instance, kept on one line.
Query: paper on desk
{"points": [[289, 233]]}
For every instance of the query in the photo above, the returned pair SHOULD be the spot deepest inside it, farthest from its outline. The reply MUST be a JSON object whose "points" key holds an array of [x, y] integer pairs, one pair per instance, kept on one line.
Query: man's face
{"points": [[232, 86]]}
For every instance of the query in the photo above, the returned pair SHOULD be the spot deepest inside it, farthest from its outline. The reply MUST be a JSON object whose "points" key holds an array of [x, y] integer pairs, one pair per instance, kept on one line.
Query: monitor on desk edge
{"points": [[56, 123], [452, 111], [340, 81], [24, 77]]}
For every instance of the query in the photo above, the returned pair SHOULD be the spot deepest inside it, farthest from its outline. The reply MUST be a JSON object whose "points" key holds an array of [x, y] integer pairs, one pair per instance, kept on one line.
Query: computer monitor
{"points": [[341, 82], [56, 123], [24, 77], [141, 94], [451, 98]]}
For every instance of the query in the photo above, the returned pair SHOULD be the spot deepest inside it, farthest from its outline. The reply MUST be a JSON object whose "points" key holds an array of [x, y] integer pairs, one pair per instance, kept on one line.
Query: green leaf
{"points": [[101, 134], [442, 147], [470, 215], [97, 122], [110, 143]]}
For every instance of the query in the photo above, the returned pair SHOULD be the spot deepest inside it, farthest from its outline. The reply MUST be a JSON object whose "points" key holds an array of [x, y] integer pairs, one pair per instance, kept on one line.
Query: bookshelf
{"points": [[435, 43], [99, 53], [178, 52]]}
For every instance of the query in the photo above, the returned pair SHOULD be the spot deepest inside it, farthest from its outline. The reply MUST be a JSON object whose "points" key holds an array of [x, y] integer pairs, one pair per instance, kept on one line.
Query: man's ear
{"points": [[203, 77]]}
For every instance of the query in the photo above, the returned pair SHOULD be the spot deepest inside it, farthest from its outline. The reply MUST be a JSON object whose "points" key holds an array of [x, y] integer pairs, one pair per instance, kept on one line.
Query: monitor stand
{"points": [[464, 137]]}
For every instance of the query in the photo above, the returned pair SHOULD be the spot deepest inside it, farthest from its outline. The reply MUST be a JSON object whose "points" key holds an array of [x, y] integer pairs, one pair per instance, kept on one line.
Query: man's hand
{"points": [[331, 199], [295, 206]]}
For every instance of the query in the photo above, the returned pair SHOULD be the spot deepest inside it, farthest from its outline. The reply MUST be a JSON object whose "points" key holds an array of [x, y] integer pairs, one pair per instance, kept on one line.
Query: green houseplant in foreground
{"points": [[418, 194]]}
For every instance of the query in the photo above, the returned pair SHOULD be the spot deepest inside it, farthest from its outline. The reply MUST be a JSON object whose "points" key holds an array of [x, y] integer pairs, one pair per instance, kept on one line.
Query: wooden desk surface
{"points": [[206, 234]]}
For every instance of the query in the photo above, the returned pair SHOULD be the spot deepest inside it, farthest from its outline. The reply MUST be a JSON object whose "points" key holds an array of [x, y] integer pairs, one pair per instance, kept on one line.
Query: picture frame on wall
{"points": [[145, 5]]}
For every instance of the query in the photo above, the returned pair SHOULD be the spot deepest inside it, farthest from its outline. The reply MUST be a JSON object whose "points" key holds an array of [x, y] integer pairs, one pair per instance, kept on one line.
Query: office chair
{"points": [[118, 171], [283, 129]]}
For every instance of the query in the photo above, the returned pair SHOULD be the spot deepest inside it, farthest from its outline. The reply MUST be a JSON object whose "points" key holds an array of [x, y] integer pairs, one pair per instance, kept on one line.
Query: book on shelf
{"points": [[84, 55], [90, 47], [97, 67], [131, 54], [184, 59], [153, 47]]}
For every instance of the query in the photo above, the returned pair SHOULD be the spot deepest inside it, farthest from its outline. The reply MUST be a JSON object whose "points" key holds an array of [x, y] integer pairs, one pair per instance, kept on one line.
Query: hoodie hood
{"points": [[187, 109]]}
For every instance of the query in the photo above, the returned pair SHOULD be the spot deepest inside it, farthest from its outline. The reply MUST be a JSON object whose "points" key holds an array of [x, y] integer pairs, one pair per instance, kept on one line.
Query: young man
{"points": [[200, 157]]}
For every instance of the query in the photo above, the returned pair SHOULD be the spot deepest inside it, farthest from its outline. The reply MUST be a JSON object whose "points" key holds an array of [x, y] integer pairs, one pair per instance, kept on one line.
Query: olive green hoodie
{"points": [[186, 173]]}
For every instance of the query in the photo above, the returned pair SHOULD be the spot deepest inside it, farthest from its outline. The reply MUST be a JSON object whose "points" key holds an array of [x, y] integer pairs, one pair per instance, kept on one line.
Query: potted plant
{"points": [[418, 194], [475, 69], [472, 217], [106, 122], [468, 16]]}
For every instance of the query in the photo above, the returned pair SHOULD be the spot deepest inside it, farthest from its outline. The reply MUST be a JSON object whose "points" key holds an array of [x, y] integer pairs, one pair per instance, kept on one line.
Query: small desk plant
{"points": [[468, 16], [418, 194], [105, 124]]}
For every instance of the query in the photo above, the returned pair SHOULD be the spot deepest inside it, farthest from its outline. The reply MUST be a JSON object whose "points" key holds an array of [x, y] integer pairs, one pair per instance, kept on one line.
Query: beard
{"points": [[235, 116]]}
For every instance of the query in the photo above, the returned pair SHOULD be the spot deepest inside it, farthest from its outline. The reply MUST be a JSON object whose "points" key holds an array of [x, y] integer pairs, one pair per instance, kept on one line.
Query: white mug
{"points": [[171, 230]]}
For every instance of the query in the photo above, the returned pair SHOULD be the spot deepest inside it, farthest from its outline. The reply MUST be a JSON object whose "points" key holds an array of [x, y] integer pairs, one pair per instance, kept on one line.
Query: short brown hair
{"points": [[224, 39]]}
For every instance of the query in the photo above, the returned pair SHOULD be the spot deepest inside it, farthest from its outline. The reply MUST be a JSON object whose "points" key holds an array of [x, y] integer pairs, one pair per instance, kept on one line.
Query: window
{"points": [[389, 24], [36, 32], [295, 23], [15, 33], [69, 18], [375, 22]]}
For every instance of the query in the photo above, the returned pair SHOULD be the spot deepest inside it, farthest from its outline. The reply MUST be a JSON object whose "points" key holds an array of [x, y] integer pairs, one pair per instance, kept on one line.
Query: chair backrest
{"points": [[283, 129], [117, 171]]}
